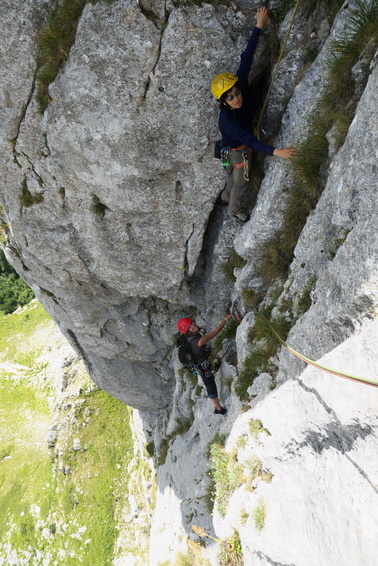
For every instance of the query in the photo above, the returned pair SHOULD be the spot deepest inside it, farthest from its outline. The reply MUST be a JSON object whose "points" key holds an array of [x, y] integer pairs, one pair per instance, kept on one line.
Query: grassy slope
{"points": [[58, 503]]}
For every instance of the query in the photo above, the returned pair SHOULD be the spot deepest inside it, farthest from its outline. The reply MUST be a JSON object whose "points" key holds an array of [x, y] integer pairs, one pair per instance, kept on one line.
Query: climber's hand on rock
{"points": [[262, 17], [289, 153]]}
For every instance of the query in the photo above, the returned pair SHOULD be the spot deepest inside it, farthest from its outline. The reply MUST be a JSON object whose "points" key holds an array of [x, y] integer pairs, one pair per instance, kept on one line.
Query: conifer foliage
{"points": [[13, 291]]}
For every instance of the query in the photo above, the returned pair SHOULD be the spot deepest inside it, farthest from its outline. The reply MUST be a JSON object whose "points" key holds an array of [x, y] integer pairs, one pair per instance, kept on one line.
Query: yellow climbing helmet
{"points": [[221, 83]]}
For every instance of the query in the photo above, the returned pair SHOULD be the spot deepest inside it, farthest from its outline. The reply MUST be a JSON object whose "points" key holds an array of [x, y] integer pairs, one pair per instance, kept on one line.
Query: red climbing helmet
{"points": [[183, 325]]}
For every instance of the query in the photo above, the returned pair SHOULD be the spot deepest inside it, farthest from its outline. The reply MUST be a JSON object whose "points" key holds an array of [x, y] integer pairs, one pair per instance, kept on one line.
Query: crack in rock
{"points": [[263, 556], [151, 16]]}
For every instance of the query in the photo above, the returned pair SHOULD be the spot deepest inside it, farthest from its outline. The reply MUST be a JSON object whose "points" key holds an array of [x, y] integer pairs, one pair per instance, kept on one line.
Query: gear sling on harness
{"points": [[245, 163], [223, 153]]}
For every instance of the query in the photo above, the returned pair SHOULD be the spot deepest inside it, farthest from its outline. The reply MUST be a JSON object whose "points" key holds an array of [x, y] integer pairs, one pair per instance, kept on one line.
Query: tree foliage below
{"points": [[13, 290]]}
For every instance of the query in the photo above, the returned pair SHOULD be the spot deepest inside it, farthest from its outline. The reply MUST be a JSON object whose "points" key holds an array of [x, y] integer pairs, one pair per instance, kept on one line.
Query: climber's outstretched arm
{"points": [[205, 339]]}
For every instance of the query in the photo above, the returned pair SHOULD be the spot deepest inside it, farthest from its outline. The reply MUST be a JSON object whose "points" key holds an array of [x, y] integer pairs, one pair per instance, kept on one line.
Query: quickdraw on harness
{"points": [[257, 128], [245, 163], [225, 158], [203, 368], [246, 167], [315, 364]]}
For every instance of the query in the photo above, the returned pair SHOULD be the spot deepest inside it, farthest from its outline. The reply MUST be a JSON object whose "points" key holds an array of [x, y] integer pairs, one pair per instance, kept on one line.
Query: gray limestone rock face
{"points": [[109, 199], [260, 385], [120, 180], [339, 244], [110, 195]]}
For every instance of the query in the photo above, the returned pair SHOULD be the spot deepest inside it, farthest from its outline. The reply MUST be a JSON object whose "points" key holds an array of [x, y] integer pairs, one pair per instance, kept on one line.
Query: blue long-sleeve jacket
{"points": [[236, 125]]}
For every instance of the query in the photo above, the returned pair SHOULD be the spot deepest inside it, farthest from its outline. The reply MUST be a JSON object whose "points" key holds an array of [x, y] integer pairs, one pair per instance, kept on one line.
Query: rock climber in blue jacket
{"points": [[235, 124]]}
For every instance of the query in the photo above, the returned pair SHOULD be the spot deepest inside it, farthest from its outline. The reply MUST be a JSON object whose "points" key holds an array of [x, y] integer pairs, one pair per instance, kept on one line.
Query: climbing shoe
{"points": [[242, 216], [223, 411]]}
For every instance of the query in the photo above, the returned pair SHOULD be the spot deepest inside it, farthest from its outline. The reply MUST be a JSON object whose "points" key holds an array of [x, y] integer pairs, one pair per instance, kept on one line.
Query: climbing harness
{"points": [[315, 364], [257, 128], [244, 154], [204, 368]]}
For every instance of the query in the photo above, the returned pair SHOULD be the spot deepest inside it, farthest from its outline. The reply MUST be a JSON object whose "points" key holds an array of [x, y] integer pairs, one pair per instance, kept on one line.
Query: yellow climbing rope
{"points": [[315, 364], [257, 128]]}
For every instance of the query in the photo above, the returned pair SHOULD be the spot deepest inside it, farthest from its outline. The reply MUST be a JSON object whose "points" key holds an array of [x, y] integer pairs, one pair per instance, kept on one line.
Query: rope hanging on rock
{"points": [[257, 128], [315, 364]]}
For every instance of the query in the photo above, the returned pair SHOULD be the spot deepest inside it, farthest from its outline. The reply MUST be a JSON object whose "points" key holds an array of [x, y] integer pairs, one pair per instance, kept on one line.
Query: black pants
{"points": [[204, 368]]}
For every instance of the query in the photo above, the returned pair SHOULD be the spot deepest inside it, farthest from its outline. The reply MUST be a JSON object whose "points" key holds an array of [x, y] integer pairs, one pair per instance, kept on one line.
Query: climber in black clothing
{"points": [[200, 354]]}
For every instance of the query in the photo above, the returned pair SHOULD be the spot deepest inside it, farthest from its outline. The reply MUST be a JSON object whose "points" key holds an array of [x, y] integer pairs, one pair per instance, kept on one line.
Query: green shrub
{"points": [[259, 515], [98, 207], [164, 446], [209, 497], [193, 557], [4, 227], [311, 54], [263, 346], [304, 301], [336, 243], [249, 372], [13, 290], [227, 474], [252, 298], [54, 41], [234, 261], [257, 470], [255, 467], [228, 332], [359, 44], [256, 427], [26, 198], [283, 8], [331, 9], [183, 426], [231, 552], [262, 331], [276, 254]]}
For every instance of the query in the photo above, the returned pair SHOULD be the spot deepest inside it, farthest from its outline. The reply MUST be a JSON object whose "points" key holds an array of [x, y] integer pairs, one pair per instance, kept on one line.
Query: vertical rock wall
{"points": [[118, 234], [119, 177], [319, 455], [121, 232]]}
